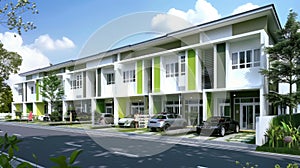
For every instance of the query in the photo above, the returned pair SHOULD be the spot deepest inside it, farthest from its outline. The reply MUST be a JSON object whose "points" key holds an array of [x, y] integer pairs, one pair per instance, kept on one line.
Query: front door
{"points": [[248, 114], [195, 114]]}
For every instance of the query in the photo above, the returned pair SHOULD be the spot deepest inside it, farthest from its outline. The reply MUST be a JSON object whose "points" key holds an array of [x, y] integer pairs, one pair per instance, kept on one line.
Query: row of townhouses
{"points": [[211, 69]]}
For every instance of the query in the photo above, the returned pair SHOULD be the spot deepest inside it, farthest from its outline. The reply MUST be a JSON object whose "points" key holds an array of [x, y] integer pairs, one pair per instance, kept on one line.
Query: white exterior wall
{"points": [[168, 84], [16, 96], [246, 77], [106, 90], [129, 88], [216, 34], [31, 97]]}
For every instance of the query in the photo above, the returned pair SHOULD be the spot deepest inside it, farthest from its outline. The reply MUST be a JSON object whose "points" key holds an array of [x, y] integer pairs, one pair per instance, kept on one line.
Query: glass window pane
{"points": [[234, 58], [249, 56], [242, 57], [256, 55]]}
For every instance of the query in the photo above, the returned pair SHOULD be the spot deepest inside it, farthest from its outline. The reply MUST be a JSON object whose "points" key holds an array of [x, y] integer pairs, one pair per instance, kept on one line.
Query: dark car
{"points": [[218, 125]]}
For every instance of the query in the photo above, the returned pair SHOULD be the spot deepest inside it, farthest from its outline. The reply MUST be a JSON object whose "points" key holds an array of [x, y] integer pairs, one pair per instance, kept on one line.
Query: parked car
{"points": [[218, 125], [163, 121], [127, 121], [106, 118]]}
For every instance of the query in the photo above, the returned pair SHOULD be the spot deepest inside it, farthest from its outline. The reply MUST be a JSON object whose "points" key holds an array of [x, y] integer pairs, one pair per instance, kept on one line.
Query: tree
{"points": [[12, 14], [285, 64], [6, 97], [52, 90]]}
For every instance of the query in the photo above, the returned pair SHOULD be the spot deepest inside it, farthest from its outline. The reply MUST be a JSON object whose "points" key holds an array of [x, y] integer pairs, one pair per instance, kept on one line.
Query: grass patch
{"points": [[132, 129], [68, 123], [282, 150]]}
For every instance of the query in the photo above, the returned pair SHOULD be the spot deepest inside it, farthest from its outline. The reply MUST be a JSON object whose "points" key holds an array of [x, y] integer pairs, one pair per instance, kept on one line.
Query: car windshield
{"points": [[129, 116], [159, 117], [215, 120]]}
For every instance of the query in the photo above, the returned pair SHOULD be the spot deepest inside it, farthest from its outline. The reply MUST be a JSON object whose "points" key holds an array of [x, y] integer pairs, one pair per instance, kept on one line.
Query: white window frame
{"points": [[172, 70], [246, 59], [129, 76], [110, 78]]}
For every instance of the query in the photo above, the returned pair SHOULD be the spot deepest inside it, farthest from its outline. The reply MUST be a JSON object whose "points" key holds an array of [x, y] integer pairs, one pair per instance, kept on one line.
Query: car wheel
{"points": [[237, 129], [165, 127], [198, 131], [222, 131], [184, 125], [132, 125], [152, 129]]}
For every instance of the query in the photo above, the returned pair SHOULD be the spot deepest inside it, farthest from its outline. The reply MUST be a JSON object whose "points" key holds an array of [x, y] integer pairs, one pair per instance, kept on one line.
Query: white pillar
{"points": [[151, 105], [116, 111], [93, 108], [65, 109]]}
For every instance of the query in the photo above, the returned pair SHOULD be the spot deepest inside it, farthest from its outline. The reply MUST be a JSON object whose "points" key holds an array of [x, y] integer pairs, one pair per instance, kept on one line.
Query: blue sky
{"points": [[64, 27]]}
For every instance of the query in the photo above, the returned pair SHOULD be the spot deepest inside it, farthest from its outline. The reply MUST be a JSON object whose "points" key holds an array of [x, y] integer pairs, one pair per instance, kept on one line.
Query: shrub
{"points": [[55, 116], [8, 117], [285, 118]]}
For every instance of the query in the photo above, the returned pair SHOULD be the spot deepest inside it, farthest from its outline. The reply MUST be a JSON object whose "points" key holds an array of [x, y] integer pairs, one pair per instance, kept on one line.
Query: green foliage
{"points": [[285, 118], [12, 14], [8, 144], [282, 135], [61, 161], [285, 63], [55, 116], [52, 90], [6, 97]]}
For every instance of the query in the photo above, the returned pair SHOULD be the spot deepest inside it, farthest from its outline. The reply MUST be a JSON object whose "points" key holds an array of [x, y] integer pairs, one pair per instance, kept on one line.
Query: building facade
{"points": [[206, 70]]}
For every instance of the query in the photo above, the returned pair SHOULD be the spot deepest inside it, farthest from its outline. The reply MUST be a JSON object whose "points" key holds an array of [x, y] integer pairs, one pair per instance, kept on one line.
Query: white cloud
{"points": [[203, 12], [32, 58], [243, 8], [45, 42]]}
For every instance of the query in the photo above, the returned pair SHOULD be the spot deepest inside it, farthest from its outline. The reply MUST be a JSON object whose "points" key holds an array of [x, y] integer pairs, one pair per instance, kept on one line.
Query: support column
{"points": [[151, 105], [65, 109], [116, 111], [204, 106], [93, 108]]}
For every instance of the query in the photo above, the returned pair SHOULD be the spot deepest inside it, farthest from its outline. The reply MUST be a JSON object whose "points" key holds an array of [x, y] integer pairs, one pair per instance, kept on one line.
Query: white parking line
{"points": [[126, 154], [38, 138], [18, 135], [73, 144]]}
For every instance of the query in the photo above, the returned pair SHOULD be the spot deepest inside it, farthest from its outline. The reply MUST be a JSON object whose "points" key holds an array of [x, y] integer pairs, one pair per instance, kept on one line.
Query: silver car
{"points": [[164, 121]]}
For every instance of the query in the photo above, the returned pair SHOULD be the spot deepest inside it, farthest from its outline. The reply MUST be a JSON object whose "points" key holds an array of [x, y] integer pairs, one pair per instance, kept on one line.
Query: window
{"points": [[129, 76], [137, 107], [246, 59], [20, 91], [182, 65], [110, 78], [76, 83], [172, 70]]}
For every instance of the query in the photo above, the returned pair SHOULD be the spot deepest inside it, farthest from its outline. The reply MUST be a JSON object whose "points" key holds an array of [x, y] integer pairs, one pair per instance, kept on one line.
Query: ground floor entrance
{"points": [[249, 111]]}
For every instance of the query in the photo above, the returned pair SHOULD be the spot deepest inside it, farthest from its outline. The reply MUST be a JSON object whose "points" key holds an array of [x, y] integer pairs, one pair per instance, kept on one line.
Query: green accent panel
{"points": [[191, 70], [100, 106], [221, 65], [157, 104], [122, 103], [37, 90], [40, 109], [250, 25], [209, 104], [139, 77], [157, 74], [29, 107], [18, 107]]}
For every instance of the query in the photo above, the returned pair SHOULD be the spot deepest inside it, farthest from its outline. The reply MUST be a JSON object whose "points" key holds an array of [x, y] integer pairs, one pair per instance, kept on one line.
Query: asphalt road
{"points": [[102, 149]]}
